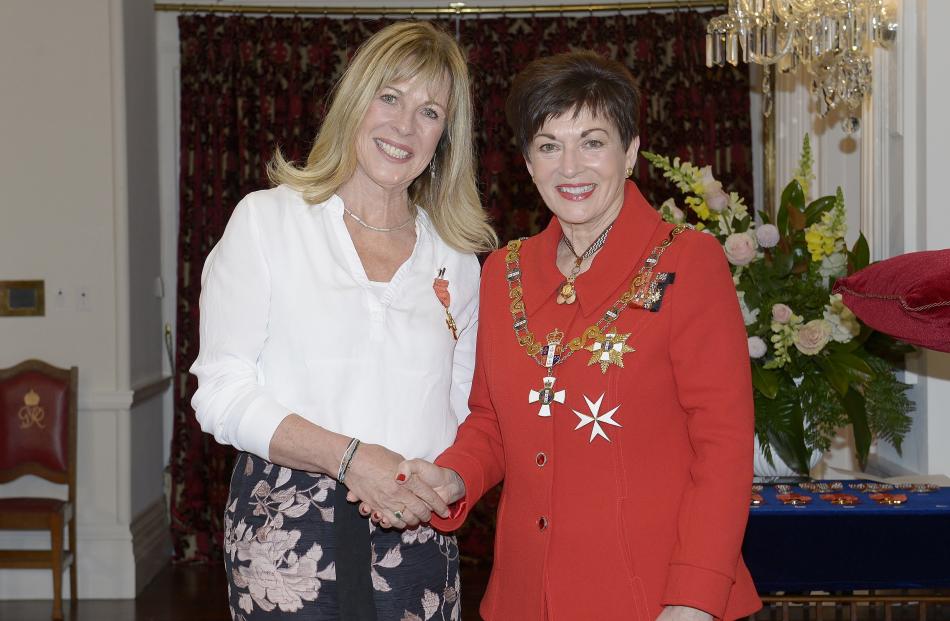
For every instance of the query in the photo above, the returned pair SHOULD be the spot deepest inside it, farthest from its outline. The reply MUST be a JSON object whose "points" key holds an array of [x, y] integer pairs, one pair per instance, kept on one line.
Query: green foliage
{"points": [[887, 403], [792, 206], [817, 207], [803, 174], [860, 255]]}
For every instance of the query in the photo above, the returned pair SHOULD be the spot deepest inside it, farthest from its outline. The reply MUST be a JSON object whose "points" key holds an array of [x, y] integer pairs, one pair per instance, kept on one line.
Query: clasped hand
{"points": [[399, 493]]}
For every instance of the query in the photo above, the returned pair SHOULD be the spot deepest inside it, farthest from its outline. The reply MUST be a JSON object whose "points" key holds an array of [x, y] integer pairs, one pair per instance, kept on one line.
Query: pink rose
{"points": [[740, 248], [716, 199], [811, 337], [767, 235], [781, 313]]}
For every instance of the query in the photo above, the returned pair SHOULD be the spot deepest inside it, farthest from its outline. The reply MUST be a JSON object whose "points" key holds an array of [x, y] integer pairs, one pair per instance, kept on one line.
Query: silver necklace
{"points": [[593, 248], [378, 229]]}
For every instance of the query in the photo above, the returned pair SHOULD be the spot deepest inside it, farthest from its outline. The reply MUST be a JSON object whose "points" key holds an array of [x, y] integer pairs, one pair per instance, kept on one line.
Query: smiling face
{"points": [[400, 132], [578, 164]]}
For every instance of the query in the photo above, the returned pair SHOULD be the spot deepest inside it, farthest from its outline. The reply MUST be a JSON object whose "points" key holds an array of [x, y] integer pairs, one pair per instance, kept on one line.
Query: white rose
{"points": [[757, 347], [834, 265], [812, 337], [844, 325], [740, 248]]}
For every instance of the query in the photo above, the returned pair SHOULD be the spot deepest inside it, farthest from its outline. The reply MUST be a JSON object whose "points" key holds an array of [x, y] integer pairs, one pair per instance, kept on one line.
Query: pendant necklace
{"points": [[567, 293]]}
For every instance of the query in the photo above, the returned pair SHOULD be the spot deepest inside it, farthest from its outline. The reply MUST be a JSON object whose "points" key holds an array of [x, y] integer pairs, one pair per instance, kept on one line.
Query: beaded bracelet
{"points": [[347, 458]]}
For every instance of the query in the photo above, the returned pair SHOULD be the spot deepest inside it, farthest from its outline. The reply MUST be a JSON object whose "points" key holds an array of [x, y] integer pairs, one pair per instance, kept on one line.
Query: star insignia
{"points": [[596, 419], [608, 349]]}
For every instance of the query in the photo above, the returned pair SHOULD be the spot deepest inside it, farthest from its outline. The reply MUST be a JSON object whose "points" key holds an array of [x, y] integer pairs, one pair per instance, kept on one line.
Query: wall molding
{"points": [[119, 400], [150, 389], [105, 400], [39, 539], [106, 567], [151, 543]]}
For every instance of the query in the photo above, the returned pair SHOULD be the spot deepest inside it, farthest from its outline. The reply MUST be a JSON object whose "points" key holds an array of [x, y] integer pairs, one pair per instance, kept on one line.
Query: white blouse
{"points": [[291, 324]]}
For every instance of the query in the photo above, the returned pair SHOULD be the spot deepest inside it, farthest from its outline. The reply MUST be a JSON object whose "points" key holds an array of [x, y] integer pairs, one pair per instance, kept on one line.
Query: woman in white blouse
{"points": [[338, 320]]}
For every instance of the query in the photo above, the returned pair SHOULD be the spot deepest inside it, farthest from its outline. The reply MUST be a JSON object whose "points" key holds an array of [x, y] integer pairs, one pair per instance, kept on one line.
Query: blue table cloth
{"points": [[831, 548]]}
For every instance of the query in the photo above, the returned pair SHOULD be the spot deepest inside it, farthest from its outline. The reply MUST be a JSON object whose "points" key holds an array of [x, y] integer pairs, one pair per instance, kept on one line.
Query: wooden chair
{"points": [[38, 437]]}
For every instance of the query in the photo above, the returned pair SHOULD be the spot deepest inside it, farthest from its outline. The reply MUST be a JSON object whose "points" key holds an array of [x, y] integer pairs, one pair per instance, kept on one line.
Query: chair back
{"points": [[38, 422]]}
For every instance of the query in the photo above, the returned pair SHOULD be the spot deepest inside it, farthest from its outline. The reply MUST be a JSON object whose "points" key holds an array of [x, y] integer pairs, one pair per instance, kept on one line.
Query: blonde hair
{"points": [[398, 52]]}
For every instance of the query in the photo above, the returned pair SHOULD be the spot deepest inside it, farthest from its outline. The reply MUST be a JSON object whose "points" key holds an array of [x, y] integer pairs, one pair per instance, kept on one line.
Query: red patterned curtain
{"points": [[251, 84]]}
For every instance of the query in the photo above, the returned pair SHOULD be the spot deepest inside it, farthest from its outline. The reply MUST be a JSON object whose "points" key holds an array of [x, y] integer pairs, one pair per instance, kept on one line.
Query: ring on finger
{"points": [[398, 513]]}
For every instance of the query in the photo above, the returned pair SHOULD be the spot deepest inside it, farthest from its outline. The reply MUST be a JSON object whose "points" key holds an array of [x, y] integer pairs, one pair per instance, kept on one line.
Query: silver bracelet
{"points": [[347, 458]]}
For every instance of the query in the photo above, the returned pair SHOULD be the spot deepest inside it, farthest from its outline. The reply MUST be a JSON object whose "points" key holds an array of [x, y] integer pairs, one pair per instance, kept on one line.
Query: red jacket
{"points": [[617, 528]]}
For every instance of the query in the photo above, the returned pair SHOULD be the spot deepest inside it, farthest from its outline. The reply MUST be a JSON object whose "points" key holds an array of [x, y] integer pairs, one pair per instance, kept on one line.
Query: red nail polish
{"points": [[401, 477]]}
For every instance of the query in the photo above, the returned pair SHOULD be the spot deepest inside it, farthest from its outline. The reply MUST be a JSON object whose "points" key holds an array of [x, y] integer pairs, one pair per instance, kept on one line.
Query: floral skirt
{"points": [[279, 553]]}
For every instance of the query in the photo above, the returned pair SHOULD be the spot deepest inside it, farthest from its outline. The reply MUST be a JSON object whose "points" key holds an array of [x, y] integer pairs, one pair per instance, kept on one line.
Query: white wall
{"points": [[929, 227], [78, 209], [57, 179]]}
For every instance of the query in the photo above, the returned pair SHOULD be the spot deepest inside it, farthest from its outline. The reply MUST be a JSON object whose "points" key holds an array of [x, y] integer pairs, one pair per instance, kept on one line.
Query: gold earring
{"points": [[628, 172]]}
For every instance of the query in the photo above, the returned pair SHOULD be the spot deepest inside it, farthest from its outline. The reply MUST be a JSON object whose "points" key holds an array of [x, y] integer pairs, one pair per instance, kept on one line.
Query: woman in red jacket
{"points": [[612, 390]]}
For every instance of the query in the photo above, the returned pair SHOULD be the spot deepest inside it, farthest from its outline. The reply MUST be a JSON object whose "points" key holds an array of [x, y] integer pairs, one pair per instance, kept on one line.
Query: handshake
{"points": [[398, 493]]}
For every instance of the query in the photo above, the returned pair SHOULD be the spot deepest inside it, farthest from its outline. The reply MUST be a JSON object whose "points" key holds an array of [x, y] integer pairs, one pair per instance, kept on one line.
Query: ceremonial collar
{"points": [[626, 245]]}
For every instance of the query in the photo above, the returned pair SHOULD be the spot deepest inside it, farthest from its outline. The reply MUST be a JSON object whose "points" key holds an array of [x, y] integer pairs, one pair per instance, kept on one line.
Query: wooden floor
{"points": [[185, 593], [199, 593]]}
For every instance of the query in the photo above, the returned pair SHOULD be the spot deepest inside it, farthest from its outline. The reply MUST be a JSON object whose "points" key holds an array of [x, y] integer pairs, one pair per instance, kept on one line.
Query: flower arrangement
{"points": [[815, 367]]}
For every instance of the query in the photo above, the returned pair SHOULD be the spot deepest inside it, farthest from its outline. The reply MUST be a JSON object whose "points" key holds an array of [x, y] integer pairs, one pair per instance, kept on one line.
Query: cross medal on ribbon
{"points": [[547, 395]]}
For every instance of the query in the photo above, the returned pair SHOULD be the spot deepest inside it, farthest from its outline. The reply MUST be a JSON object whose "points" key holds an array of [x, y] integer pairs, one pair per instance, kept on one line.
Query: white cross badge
{"points": [[546, 396], [596, 419]]}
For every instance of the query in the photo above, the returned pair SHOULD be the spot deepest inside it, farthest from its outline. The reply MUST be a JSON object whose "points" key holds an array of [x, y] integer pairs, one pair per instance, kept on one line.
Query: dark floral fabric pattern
{"points": [[250, 84], [279, 548]]}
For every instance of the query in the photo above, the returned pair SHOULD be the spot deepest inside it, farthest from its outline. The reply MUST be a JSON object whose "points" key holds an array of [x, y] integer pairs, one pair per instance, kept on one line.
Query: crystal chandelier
{"points": [[832, 39]]}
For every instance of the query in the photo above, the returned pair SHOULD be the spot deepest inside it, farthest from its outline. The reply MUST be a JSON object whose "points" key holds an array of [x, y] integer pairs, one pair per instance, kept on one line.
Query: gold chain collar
{"points": [[635, 295]]}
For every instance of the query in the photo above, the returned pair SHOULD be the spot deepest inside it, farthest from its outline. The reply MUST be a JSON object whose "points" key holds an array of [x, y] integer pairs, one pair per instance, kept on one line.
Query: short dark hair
{"points": [[549, 87]]}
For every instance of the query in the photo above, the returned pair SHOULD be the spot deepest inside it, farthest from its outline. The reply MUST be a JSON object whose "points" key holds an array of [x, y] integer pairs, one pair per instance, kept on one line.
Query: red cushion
{"points": [[907, 297]]}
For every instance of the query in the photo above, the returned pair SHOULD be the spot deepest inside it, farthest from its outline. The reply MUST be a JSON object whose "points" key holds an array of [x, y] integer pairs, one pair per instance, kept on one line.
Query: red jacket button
{"points": [[541, 459], [542, 523]]}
